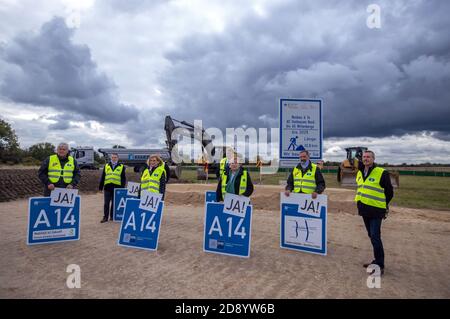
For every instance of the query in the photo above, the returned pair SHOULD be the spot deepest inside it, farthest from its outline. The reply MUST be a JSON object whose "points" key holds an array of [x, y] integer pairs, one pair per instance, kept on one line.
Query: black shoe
{"points": [[104, 220]]}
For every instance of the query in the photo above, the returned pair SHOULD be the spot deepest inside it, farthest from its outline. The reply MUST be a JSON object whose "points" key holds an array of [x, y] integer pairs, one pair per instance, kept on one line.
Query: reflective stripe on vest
{"points": [[223, 162], [370, 192], [305, 183], [242, 184], [151, 182], [55, 171], [113, 176]]}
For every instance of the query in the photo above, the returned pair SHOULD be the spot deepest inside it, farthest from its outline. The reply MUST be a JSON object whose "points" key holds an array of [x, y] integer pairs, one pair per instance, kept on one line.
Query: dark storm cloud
{"points": [[48, 69], [374, 82]]}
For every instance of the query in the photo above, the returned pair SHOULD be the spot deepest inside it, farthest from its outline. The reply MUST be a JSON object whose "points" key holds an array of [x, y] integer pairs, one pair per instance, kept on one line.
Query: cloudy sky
{"points": [[105, 72]]}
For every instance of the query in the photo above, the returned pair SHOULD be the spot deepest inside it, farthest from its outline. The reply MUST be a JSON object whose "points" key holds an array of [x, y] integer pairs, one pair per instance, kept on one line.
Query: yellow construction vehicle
{"points": [[348, 169]]}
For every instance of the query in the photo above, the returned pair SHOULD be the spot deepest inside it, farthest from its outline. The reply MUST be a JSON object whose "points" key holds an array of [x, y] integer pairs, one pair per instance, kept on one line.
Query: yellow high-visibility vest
{"points": [[305, 183], [242, 184], [151, 182], [113, 176], [223, 162], [55, 171], [369, 191]]}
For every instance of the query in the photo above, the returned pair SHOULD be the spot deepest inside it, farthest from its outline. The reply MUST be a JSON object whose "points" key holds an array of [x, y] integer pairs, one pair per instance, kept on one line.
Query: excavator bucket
{"points": [[348, 178]]}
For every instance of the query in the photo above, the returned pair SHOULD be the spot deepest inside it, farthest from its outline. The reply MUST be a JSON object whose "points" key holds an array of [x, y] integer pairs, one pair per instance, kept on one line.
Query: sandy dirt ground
{"points": [[417, 248]]}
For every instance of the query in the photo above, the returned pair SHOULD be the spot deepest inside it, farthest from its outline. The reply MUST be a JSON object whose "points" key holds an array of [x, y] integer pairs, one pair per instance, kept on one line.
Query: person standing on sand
{"points": [[153, 178], [236, 180], [113, 176], [372, 198], [305, 178], [59, 170]]}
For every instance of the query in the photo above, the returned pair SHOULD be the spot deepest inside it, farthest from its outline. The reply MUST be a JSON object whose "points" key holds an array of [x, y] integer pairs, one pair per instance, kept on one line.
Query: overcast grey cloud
{"points": [[374, 82], [114, 76], [48, 69]]}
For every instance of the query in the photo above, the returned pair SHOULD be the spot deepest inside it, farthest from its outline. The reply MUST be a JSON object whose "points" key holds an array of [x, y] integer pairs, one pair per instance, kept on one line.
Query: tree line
{"points": [[12, 153]]}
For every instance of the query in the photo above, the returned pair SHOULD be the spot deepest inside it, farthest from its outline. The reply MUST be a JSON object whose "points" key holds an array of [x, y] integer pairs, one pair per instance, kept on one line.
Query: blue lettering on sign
{"points": [[226, 234], [51, 224]]}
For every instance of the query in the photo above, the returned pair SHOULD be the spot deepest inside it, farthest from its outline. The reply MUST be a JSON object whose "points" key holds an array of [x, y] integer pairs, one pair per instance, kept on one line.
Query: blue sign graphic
{"points": [[51, 224], [303, 230], [140, 228], [227, 234], [300, 129]]}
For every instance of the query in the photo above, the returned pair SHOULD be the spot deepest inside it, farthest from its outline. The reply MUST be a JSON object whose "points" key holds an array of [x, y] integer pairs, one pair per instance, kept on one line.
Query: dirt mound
{"points": [[22, 183], [265, 197]]}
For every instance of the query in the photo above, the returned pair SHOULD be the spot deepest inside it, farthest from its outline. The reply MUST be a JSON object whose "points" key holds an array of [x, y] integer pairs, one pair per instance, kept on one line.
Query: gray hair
{"points": [[65, 145]]}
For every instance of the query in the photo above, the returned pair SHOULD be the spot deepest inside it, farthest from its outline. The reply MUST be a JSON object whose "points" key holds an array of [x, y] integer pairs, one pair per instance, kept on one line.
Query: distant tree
{"points": [[98, 159], [9, 145], [41, 151], [118, 146]]}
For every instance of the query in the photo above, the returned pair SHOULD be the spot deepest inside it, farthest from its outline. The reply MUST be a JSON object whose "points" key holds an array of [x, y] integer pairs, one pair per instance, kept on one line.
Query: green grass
{"points": [[415, 191], [423, 192]]}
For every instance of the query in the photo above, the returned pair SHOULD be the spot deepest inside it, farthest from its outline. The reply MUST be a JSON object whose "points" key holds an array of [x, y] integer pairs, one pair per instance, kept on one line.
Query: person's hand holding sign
{"points": [[314, 195], [70, 186], [51, 187]]}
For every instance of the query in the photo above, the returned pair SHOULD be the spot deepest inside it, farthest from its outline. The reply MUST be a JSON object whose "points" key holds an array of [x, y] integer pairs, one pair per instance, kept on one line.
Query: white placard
{"points": [[150, 201], [235, 205], [133, 189], [63, 197], [306, 204]]}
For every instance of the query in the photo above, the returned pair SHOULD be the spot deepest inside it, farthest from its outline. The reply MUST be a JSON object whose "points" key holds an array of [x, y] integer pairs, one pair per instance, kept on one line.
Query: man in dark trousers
{"points": [[59, 170], [305, 178], [113, 176], [373, 195]]}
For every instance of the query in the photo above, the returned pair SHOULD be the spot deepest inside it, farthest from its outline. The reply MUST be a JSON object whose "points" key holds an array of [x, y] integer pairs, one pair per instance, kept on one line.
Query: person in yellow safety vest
{"points": [[372, 198], [305, 178], [113, 177], [59, 170], [223, 164], [153, 177], [236, 180]]}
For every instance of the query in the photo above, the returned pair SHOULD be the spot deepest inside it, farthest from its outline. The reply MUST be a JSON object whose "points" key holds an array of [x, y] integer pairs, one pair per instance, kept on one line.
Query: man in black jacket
{"points": [[230, 182], [113, 177], [64, 171], [304, 168], [374, 193]]}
